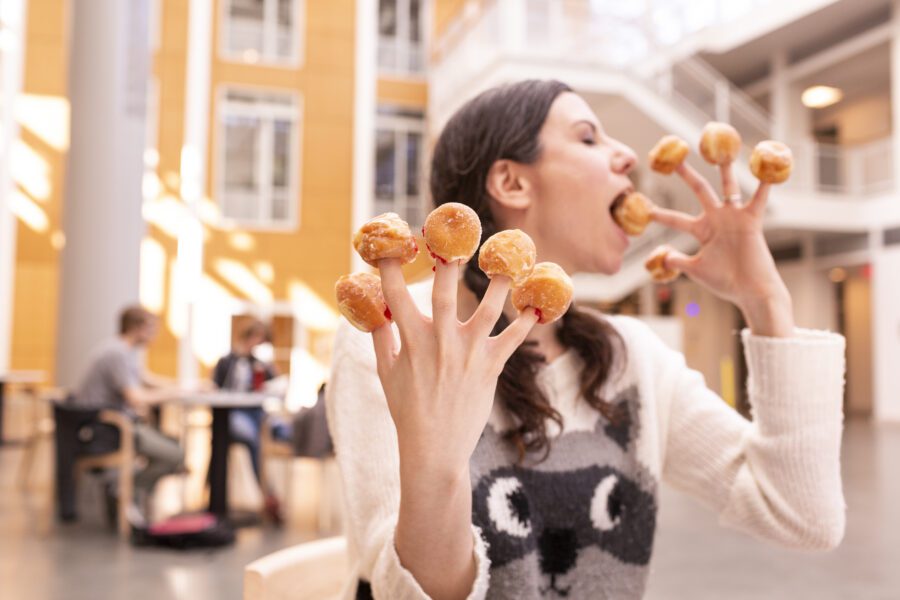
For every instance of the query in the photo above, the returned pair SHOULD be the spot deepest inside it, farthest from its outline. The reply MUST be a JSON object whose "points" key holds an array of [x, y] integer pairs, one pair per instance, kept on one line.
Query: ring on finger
{"points": [[733, 199]]}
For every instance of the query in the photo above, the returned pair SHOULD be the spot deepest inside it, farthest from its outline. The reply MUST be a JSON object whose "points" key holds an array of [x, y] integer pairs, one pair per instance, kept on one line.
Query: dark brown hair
{"points": [[253, 327], [134, 317], [504, 123]]}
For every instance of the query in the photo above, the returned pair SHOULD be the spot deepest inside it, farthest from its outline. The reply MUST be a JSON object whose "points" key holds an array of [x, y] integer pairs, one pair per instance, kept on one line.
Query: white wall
{"points": [[886, 325], [814, 296], [862, 120]]}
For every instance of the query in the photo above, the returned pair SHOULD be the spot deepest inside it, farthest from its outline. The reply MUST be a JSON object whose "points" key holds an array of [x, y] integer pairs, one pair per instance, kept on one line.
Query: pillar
{"points": [[108, 70]]}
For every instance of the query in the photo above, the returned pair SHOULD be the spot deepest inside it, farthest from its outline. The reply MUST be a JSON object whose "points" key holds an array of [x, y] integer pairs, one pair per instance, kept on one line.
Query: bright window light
{"points": [[820, 96]]}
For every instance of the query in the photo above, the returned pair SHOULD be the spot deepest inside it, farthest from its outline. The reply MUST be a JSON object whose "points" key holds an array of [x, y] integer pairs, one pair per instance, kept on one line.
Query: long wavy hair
{"points": [[504, 123]]}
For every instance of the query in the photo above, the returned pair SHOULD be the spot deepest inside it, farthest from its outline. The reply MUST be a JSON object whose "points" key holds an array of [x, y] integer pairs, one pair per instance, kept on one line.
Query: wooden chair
{"points": [[329, 482], [313, 571], [41, 426], [122, 459]]}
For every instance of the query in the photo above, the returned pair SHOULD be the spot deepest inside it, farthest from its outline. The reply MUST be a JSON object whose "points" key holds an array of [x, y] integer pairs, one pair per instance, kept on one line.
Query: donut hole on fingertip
{"points": [[452, 232], [385, 236], [510, 253], [548, 290], [361, 301]]}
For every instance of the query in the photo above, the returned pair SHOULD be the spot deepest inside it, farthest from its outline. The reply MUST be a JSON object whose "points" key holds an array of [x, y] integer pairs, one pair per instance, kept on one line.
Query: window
{"points": [[262, 30], [401, 47], [399, 151], [259, 155]]}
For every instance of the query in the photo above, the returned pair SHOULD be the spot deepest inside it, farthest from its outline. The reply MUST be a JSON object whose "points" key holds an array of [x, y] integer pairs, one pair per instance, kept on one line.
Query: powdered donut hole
{"points": [[656, 264], [771, 162], [385, 236], [511, 253], [633, 213], [548, 290], [452, 232], [720, 143], [361, 301], [668, 154]]}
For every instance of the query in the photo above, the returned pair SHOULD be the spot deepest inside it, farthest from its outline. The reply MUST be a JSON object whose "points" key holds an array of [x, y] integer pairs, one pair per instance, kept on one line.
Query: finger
{"points": [[443, 294], [393, 286], [680, 261], [700, 186], [513, 336], [757, 204], [730, 187], [491, 306], [676, 220], [385, 346]]}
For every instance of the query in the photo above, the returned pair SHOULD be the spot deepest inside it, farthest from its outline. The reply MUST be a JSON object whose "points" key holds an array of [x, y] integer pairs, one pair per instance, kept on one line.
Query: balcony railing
{"points": [[630, 38], [860, 171]]}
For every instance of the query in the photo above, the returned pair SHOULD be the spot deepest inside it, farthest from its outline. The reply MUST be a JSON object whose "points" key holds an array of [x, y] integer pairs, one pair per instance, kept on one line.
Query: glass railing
{"points": [[625, 37], [859, 171], [628, 38]]}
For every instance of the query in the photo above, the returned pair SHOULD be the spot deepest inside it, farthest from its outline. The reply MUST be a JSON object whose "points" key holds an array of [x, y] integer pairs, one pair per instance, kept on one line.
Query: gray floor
{"points": [[694, 557]]}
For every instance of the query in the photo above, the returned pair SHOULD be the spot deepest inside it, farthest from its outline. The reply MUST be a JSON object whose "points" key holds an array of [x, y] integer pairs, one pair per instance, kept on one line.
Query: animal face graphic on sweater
{"points": [[578, 525]]}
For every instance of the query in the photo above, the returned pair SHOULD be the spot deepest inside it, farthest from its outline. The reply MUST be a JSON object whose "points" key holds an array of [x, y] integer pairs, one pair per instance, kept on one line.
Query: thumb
{"points": [[680, 261]]}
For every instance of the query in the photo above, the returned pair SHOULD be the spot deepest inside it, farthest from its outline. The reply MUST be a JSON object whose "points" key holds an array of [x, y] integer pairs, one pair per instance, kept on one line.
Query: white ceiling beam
{"points": [[827, 58]]}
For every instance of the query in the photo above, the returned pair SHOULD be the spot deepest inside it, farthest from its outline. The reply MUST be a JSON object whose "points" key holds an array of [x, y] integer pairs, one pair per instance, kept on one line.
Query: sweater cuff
{"points": [[398, 583], [795, 382]]}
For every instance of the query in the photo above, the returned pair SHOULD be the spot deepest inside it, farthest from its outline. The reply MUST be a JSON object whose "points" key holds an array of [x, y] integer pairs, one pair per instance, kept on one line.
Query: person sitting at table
{"points": [[240, 370], [115, 379]]}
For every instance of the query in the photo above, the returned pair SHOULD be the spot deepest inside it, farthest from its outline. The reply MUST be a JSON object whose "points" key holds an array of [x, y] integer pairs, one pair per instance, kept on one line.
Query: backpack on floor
{"points": [[184, 532]]}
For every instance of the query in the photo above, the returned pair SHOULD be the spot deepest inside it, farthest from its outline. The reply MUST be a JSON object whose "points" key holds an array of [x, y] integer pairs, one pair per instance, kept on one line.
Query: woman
{"points": [[470, 475]]}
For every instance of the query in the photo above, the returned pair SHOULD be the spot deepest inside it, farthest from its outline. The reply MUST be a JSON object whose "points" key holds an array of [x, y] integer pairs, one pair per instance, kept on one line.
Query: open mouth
{"points": [[617, 202]]}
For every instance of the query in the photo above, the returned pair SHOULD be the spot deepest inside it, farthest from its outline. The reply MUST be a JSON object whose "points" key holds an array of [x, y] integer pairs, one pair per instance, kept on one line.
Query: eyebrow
{"points": [[586, 122]]}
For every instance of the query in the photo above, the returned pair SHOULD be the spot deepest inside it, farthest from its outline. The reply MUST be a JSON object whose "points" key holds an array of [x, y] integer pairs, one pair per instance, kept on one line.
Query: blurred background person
{"points": [[115, 379], [242, 371]]}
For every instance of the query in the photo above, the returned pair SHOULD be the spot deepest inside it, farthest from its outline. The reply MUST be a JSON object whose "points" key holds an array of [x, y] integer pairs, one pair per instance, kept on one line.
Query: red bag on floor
{"points": [[184, 532]]}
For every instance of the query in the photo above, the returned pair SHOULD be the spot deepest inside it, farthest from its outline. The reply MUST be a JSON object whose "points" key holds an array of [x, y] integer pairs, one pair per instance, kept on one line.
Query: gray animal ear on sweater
{"points": [[624, 428]]}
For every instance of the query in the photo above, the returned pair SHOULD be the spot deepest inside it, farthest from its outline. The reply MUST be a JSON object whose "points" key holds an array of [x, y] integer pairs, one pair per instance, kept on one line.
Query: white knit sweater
{"points": [[581, 523]]}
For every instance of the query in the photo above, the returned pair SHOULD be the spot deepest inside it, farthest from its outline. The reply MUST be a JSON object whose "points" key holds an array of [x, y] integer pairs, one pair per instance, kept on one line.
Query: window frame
{"points": [[297, 57], [295, 159], [403, 44], [406, 124]]}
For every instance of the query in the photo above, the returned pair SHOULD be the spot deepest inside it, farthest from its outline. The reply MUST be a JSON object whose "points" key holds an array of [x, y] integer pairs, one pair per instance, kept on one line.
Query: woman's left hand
{"points": [[734, 261]]}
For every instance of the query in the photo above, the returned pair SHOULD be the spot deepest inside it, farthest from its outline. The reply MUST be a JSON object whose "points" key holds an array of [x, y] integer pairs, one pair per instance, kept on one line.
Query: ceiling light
{"points": [[820, 96]]}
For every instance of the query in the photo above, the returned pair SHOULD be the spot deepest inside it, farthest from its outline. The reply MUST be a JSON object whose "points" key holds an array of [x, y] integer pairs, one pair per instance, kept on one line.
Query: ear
{"points": [[508, 185]]}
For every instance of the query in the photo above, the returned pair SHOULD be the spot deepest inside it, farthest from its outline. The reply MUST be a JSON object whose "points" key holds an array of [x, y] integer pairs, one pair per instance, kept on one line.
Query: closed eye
{"points": [[508, 507]]}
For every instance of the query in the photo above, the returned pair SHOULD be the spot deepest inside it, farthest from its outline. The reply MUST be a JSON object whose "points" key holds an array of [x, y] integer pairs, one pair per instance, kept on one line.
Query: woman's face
{"points": [[577, 177]]}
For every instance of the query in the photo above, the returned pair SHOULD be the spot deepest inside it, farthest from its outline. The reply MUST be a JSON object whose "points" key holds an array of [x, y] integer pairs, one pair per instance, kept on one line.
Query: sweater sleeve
{"points": [[777, 477], [366, 447]]}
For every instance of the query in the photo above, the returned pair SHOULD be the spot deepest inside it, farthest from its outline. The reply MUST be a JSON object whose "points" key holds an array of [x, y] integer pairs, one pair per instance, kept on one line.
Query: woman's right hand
{"points": [[441, 378]]}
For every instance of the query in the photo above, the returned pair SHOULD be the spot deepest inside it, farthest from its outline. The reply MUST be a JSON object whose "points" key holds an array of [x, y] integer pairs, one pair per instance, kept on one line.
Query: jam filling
{"points": [[387, 313]]}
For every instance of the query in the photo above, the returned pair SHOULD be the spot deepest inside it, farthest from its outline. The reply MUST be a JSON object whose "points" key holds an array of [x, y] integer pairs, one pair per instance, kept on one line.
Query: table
{"points": [[15, 377], [221, 402]]}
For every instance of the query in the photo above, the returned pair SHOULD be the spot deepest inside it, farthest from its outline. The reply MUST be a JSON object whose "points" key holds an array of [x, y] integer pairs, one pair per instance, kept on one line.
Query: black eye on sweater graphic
{"points": [[556, 514]]}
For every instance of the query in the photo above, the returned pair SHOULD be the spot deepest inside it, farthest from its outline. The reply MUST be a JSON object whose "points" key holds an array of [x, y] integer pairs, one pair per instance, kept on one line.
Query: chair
{"points": [[329, 482], [93, 439], [313, 571], [41, 429]]}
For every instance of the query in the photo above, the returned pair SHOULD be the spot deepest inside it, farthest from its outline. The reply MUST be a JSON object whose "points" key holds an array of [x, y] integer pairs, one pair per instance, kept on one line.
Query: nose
{"points": [[558, 550], [624, 159]]}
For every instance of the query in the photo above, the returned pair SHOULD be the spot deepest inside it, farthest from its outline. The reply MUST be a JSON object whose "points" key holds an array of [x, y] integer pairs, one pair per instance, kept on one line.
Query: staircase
{"points": [[617, 50]]}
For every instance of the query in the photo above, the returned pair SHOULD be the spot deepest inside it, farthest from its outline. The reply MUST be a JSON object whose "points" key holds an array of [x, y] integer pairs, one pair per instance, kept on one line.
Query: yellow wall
{"points": [[318, 252], [314, 255], [43, 125], [169, 70]]}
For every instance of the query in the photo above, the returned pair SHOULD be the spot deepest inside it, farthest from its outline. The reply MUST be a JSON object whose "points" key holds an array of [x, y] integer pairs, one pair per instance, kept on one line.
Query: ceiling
{"points": [[801, 38]]}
